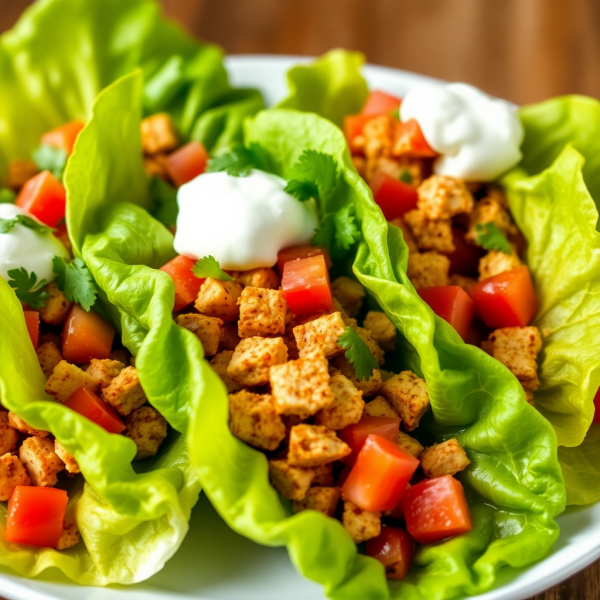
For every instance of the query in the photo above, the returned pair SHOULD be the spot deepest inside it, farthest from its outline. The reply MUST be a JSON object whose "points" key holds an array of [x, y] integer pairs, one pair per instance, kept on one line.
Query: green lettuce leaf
{"points": [[331, 86], [514, 480]]}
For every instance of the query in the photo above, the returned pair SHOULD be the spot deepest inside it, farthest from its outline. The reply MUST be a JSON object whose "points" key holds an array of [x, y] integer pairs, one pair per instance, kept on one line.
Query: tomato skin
{"points": [[353, 127], [187, 162], [32, 321], [451, 303], [380, 475], [306, 251], [305, 285], [394, 549], [394, 197], [187, 285], [596, 418], [507, 299], [436, 509], [356, 435], [380, 103], [86, 335], [92, 407], [465, 258], [64, 136], [410, 141], [45, 198], [36, 516]]}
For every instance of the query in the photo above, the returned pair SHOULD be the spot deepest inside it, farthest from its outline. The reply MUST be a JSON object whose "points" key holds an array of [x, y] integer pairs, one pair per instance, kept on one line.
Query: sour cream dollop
{"points": [[24, 247], [242, 221], [478, 137]]}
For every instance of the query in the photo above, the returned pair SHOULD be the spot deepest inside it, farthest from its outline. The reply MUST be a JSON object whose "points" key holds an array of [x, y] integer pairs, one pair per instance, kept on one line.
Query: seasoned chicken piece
{"points": [[219, 299], [70, 534], [253, 358], [495, 262], [40, 461], [409, 238], [147, 428], [447, 458], [349, 293], [219, 363], [428, 269], [380, 407], [48, 357], [466, 283], [442, 197], [15, 421], [323, 475], [314, 445], [125, 393], [378, 134], [57, 307], [229, 337], [67, 379], [347, 407], [20, 172], [322, 499], [206, 329], [262, 312], [12, 474], [70, 463], [8, 434], [409, 444], [369, 387], [263, 277], [360, 524], [323, 333], [254, 420], [430, 234], [104, 371], [159, 134], [382, 330], [292, 483], [407, 393]]}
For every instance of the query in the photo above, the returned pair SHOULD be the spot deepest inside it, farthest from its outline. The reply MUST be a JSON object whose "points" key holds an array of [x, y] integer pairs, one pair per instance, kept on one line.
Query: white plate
{"points": [[215, 563]]}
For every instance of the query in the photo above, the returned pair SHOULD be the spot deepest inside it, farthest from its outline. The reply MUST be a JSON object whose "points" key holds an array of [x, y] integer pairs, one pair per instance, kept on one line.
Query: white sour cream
{"points": [[478, 137], [24, 247], [242, 221]]}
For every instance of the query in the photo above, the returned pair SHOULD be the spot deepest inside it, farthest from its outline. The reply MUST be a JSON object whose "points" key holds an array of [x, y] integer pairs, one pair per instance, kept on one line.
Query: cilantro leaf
{"points": [[7, 224], [302, 190], [48, 158], [208, 266], [28, 288], [240, 161], [316, 168], [358, 353], [76, 281], [492, 238], [7, 196], [406, 177], [337, 232]]}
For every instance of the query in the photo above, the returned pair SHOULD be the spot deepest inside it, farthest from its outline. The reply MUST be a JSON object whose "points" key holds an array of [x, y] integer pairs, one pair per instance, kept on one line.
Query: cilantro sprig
{"points": [[76, 281], [7, 225], [49, 158], [240, 161], [358, 353], [492, 238], [337, 231], [208, 266], [313, 176], [28, 288]]}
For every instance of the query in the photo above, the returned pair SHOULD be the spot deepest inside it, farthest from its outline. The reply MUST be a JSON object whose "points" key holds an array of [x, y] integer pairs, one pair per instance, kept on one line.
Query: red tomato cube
{"points": [[353, 127], [394, 197], [64, 136], [306, 251], [436, 509], [187, 162], [380, 103], [507, 299], [465, 258], [45, 198], [305, 285], [86, 335], [187, 285], [380, 475], [356, 435], [394, 549], [32, 322], [36, 516], [451, 303], [410, 141], [92, 407]]}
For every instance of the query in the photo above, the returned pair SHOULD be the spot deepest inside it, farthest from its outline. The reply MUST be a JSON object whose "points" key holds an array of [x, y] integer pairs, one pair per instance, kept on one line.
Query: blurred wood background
{"points": [[522, 50]]}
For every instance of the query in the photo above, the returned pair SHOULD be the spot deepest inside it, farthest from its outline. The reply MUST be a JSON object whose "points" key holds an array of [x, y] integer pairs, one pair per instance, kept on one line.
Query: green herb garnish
{"points": [[208, 266], [7, 225], [28, 288], [358, 353], [76, 281], [492, 238], [313, 176], [49, 158]]}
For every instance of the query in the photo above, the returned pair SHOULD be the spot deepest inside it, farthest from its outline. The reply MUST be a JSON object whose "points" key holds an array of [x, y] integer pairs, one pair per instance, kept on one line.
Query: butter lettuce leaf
{"points": [[514, 481]]}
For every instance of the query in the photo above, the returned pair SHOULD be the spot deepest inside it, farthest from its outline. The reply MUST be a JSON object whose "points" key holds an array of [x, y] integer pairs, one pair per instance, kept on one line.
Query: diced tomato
{"points": [[305, 285], [353, 127], [465, 258], [86, 335], [32, 321], [295, 252], [506, 300], [380, 103], [45, 198], [64, 136], [394, 197], [356, 435], [394, 549], [187, 162], [187, 285], [410, 141], [36, 516], [596, 418], [380, 475], [436, 509], [451, 303], [92, 407]]}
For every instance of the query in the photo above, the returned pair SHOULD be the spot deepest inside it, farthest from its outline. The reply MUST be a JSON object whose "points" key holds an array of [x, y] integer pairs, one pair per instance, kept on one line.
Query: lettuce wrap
{"points": [[558, 218]]}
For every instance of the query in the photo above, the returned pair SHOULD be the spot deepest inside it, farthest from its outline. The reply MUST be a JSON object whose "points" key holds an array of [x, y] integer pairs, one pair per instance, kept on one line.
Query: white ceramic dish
{"points": [[215, 563]]}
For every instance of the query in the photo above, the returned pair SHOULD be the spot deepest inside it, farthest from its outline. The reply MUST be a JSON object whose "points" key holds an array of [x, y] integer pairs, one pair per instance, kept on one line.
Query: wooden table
{"points": [[522, 50]]}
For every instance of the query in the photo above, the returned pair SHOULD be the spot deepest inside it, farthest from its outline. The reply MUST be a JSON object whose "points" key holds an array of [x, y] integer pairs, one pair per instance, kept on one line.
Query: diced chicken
{"points": [[430, 234], [380, 407], [466, 283], [323, 475], [17, 423], [377, 136], [369, 387], [442, 197], [495, 262], [206, 329], [263, 277], [158, 134], [428, 269], [70, 534], [125, 393], [219, 363], [229, 337], [148, 429], [12, 474], [347, 407], [382, 330], [350, 294], [360, 524], [105, 370], [57, 307], [219, 299], [254, 420], [409, 238], [409, 444], [407, 393], [253, 358], [292, 483], [262, 312], [40, 461], [323, 333], [70, 463], [314, 445], [8, 434], [321, 499], [67, 379], [48, 357], [447, 458]]}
